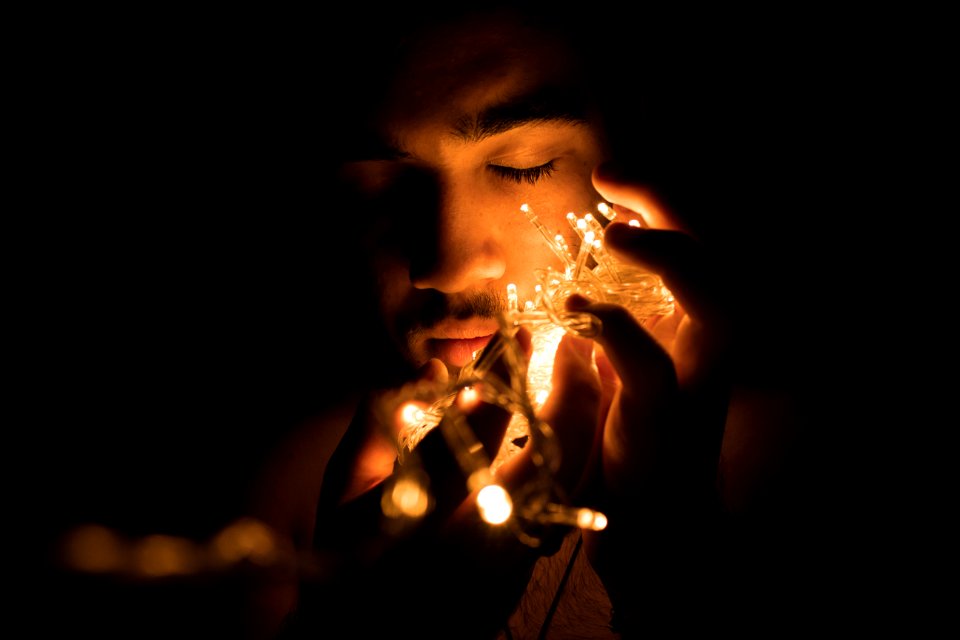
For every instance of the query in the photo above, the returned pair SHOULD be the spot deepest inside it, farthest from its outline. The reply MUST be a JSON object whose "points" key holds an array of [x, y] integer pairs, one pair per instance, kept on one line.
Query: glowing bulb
{"points": [[584, 253], [468, 398], [160, 555], [590, 519], [606, 211], [512, 298], [411, 414], [406, 497], [495, 504], [94, 548], [245, 539], [540, 368]]}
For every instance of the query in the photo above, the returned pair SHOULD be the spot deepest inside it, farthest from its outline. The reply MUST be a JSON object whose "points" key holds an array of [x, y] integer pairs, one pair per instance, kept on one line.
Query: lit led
{"points": [[590, 519], [412, 414], [541, 396], [245, 539], [406, 497], [494, 504], [468, 398], [584, 253], [606, 211]]}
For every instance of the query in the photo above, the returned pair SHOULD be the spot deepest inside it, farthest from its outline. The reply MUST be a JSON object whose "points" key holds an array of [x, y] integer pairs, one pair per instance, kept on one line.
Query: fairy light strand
{"points": [[593, 272], [251, 543]]}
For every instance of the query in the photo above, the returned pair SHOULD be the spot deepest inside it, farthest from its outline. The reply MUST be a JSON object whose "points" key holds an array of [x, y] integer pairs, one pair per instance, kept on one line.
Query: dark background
{"points": [[177, 310]]}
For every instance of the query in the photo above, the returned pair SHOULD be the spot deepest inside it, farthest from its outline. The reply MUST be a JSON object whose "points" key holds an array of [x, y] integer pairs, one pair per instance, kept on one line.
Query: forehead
{"points": [[454, 70]]}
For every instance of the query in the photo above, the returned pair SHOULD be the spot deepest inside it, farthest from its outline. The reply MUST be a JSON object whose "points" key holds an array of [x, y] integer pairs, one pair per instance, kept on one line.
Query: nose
{"points": [[466, 250]]}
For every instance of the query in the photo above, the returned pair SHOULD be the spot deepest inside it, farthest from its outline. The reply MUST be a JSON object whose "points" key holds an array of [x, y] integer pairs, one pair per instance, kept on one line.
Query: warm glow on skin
{"points": [[490, 134]]}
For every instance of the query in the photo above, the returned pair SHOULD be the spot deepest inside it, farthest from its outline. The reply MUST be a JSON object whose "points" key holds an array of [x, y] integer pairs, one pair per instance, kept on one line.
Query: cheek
{"points": [[391, 284], [573, 193]]}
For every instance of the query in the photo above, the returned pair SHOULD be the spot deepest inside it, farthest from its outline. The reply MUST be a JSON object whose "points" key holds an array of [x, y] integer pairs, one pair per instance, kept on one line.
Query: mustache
{"points": [[482, 304]]}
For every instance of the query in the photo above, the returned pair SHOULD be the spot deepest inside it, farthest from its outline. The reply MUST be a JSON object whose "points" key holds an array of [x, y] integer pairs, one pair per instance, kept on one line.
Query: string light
{"points": [[244, 543], [592, 272]]}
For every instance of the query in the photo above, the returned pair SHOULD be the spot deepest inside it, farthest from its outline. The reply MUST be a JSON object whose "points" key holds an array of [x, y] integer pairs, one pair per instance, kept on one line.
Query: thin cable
{"points": [[560, 589]]}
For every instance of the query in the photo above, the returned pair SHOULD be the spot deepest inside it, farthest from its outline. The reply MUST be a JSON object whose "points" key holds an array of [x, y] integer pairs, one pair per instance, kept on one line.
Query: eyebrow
{"points": [[538, 108]]}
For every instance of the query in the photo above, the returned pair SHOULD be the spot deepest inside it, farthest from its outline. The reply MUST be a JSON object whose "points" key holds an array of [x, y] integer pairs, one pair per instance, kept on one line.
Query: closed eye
{"points": [[530, 174]]}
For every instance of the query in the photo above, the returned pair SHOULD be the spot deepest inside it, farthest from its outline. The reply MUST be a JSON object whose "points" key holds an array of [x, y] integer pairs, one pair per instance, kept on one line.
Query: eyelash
{"points": [[530, 175]]}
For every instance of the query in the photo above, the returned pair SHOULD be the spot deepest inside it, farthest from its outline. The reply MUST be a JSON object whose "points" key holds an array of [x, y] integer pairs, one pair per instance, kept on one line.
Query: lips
{"points": [[457, 352]]}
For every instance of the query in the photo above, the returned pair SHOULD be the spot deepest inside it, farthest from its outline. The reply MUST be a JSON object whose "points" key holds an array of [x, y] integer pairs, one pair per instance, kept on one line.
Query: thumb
{"points": [[611, 183]]}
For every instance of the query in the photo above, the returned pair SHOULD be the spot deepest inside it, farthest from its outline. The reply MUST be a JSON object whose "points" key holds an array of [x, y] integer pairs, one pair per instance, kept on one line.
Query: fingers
{"points": [[635, 355], [638, 416], [433, 372], [665, 247], [677, 258], [574, 407], [636, 199]]}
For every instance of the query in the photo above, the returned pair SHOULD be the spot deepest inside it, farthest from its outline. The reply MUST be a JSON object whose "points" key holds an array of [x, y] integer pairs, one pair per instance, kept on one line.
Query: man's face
{"points": [[478, 121]]}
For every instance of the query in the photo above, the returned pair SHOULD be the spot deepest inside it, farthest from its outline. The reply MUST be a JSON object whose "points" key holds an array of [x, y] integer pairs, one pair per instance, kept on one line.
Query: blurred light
{"points": [[93, 548], [161, 555], [469, 398], [406, 497], [245, 539], [589, 519], [411, 413], [494, 504]]}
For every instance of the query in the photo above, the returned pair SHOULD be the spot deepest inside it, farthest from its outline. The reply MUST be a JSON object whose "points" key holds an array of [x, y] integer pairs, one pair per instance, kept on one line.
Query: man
{"points": [[470, 118]]}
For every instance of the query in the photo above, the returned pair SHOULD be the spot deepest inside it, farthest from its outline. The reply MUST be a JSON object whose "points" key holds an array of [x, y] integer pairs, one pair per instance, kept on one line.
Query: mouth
{"points": [[456, 344], [457, 352]]}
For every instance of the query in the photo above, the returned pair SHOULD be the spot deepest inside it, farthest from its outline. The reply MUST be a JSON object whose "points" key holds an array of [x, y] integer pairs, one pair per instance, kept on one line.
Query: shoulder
{"points": [[286, 490]]}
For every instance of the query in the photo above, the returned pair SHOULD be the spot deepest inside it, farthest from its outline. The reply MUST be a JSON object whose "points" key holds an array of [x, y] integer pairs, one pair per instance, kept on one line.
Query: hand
{"points": [[653, 407]]}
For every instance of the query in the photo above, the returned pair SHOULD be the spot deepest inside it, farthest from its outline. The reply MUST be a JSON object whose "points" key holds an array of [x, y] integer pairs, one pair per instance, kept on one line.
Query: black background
{"points": [[171, 301]]}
